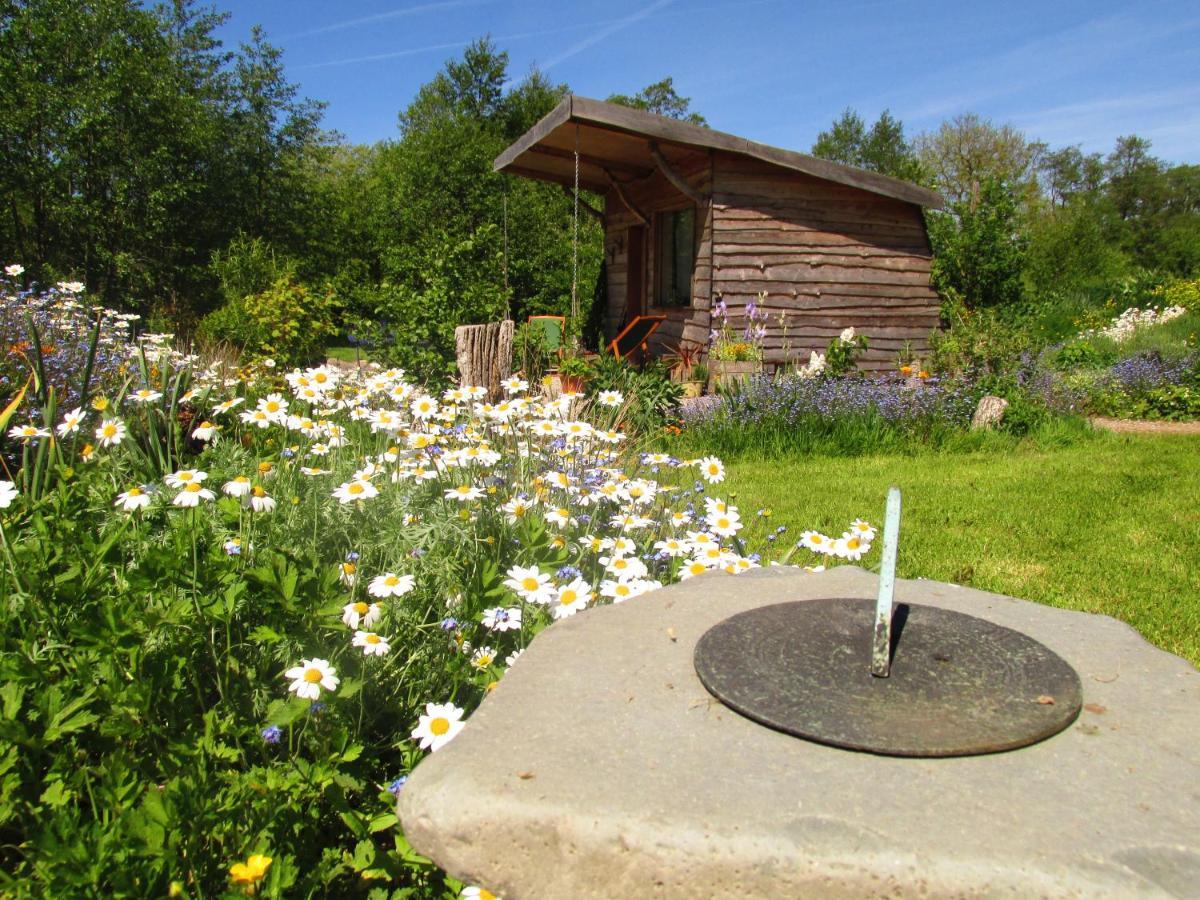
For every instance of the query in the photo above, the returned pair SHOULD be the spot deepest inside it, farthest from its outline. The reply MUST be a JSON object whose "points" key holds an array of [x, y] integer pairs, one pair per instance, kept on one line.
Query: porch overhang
{"points": [[618, 144]]}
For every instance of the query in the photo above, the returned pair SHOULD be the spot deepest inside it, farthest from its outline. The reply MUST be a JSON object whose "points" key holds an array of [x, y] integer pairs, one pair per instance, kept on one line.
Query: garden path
{"points": [[1142, 426]]}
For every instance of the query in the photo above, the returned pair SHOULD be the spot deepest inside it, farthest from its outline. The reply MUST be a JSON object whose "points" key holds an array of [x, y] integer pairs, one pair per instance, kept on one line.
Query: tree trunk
{"points": [[484, 354]]}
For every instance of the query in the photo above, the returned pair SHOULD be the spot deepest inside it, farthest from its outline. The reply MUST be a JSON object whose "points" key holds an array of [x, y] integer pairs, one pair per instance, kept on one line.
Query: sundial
{"points": [[893, 679]]}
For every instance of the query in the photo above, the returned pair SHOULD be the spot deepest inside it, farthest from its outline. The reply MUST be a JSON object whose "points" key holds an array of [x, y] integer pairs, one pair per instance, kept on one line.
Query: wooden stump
{"points": [[484, 354]]}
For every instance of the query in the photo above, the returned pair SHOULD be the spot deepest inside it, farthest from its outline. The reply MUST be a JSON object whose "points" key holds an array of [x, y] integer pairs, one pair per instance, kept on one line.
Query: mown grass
{"points": [[344, 353], [1110, 525]]}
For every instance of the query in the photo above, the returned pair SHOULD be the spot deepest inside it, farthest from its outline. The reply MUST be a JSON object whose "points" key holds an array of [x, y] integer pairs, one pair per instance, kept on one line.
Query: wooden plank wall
{"points": [[651, 195], [828, 256]]}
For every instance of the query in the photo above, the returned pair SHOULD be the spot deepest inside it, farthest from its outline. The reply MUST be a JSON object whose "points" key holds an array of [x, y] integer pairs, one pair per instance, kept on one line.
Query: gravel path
{"points": [[1136, 426]]}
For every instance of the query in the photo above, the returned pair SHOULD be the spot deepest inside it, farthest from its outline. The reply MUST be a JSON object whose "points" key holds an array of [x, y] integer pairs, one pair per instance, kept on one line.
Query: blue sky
{"points": [[777, 71]]}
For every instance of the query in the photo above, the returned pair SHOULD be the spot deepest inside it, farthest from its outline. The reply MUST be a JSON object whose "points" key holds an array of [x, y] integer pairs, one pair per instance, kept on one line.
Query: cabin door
{"points": [[635, 275]]}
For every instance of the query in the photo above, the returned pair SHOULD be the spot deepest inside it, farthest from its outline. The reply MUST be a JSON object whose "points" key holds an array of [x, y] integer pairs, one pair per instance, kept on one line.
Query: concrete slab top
{"points": [[601, 767]]}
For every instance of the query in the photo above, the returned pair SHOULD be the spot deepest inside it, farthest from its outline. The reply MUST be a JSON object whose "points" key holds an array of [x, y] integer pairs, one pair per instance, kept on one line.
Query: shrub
{"points": [[288, 322]]}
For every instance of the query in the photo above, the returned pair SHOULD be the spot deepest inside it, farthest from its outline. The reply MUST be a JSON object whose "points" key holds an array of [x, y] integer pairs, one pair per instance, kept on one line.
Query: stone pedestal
{"points": [[602, 768]]}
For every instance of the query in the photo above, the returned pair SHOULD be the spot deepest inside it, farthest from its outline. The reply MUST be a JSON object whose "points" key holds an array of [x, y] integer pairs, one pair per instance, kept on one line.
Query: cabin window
{"points": [[675, 257]]}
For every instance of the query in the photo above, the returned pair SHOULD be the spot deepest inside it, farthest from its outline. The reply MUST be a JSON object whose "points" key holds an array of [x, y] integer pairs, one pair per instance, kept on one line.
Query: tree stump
{"points": [[989, 412], [484, 354]]}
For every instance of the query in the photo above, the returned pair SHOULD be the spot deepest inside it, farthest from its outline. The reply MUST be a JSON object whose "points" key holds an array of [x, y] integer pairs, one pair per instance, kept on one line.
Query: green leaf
{"points": [[56, 795], [382, 822], [285, 712], [71, 718]]}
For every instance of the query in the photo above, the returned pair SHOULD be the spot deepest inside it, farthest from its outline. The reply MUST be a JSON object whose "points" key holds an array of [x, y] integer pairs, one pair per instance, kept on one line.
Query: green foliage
{"points": [[979, 252], [978, 340], [651, 397], [883, 148], [287, 322], [662, 99], [129, 178], [841, 357]]}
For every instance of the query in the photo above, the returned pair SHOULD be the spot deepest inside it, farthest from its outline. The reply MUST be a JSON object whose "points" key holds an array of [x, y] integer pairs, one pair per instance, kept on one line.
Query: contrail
{"points": [[382, 17], [412, 51], [600, 35]]}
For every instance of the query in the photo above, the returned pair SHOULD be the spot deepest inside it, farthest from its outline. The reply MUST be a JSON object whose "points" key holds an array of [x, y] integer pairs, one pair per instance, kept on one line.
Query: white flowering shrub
{"points": [[241, 609]]}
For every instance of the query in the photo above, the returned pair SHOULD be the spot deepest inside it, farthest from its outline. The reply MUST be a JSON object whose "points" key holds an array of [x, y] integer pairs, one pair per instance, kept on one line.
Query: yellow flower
{"points": [[100, 404], [264, 467], [251, 871]]}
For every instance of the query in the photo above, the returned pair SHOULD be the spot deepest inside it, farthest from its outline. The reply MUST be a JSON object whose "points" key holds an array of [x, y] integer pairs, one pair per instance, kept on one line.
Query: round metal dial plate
{"points": [[959, 685]]}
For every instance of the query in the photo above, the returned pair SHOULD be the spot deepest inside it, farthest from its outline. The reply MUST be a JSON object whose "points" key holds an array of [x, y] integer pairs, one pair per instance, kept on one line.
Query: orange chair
{"points": [[636, 334]]}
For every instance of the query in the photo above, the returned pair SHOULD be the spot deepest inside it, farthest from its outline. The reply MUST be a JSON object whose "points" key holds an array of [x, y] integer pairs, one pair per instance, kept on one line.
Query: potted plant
{"points": [[736, 355], [686, 367], [573, 372]]}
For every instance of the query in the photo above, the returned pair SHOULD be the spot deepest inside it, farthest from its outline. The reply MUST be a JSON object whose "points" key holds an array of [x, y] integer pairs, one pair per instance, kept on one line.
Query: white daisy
{"points": [[310, 677], [372, 644], [440, 724], [389, 584]]}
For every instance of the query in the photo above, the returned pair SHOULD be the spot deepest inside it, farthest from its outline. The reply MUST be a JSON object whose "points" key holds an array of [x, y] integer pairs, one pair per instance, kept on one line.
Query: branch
{"points": [[616, 186], [674, 177]]}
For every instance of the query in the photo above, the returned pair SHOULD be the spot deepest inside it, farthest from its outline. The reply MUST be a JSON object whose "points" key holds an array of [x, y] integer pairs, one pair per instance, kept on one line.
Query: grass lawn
{"points": [[345, 354], [1110, 525]]}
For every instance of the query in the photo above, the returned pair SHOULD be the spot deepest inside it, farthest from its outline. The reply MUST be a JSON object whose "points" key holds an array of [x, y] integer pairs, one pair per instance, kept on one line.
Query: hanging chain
{"points": [[575, 238], [506, 234]]}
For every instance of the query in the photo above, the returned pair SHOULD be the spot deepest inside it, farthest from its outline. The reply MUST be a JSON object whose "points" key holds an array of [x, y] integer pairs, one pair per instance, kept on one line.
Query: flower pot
{"points": [[730, 373], [572, 384]]}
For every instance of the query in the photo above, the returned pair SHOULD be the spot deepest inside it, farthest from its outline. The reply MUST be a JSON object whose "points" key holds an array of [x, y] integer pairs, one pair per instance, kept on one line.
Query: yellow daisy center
{"points": [[530, 584], [312, 676], [355, 488], [110, 430], [192, 488], [361, 608], [258, 492], [135, 492], [373, 639], [439, 726], [568, 597]]}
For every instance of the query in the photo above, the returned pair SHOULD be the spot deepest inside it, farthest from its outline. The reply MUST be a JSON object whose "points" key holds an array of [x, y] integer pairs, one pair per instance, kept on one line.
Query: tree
{"points": [[979, 252], [882, 148], [661, 99], [968, 150]]}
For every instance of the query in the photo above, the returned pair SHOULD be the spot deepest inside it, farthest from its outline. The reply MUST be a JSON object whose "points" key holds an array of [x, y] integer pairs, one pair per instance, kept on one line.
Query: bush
{"points": [[288, 322], [651, 397]]}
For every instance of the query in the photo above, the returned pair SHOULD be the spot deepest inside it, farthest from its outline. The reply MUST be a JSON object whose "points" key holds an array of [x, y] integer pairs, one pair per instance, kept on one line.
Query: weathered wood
{"points": [[610, 165], [619, 189], [555, 128], [678, 181], [484, 354], [583, 204]]}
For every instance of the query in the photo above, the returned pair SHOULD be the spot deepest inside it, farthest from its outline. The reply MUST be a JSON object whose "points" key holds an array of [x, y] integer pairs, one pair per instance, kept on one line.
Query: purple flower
{"points": [[397, 786], [271, 734]]}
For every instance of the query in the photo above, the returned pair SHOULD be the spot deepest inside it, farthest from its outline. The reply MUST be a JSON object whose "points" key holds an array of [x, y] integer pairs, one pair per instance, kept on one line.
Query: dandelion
{"points": [[70, 423], [192, 494], [133, 499], [371, 643], [260, 501], [390, 584], [360, 614], [111, 432], [8, 493], [310, 677], [358, 489], [252, 871], [440, 724]]}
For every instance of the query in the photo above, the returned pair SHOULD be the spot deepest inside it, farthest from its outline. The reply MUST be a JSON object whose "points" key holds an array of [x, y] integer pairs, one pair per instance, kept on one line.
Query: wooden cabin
{"points": [[693, 216]]}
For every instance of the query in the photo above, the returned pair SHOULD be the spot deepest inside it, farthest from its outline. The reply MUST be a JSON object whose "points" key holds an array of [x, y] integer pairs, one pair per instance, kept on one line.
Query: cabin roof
{"points": [[615, 141]]}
